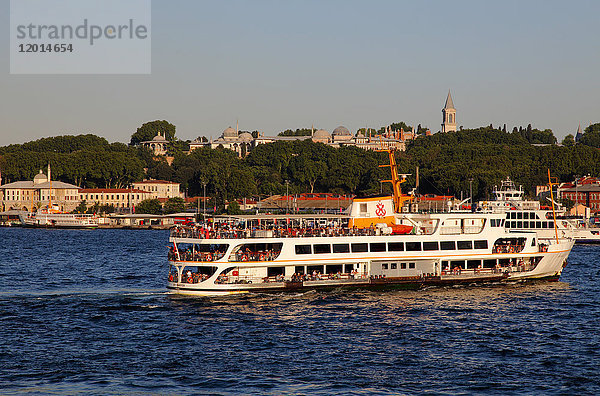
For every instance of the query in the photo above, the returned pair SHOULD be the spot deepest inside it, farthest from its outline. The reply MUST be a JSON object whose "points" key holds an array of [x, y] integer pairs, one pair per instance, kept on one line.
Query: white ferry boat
{"points": [[54, 218], [523, 215], [375, 246]]}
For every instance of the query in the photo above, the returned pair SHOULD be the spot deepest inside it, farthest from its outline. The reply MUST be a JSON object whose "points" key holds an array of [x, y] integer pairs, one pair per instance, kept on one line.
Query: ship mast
{"points": [[551, 184], [396, 181]]}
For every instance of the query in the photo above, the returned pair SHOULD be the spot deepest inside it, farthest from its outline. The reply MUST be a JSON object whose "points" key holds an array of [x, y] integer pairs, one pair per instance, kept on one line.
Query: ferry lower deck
{"points": [[275, 264]]}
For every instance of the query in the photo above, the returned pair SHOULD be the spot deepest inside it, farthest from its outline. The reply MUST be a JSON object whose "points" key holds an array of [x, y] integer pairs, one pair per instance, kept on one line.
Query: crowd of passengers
{"points": [[260, 255], [190, 254], [513, 265], [229, 231], [188, 277], [508, 248]]}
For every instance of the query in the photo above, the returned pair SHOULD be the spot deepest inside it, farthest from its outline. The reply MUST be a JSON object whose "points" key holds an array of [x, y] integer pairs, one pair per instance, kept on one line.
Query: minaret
{"points": [[449, 115], [579, 134]]}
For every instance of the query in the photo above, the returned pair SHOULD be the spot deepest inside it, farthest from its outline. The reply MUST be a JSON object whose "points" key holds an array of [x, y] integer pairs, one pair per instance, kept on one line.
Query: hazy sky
{"points": [[275, 65]]}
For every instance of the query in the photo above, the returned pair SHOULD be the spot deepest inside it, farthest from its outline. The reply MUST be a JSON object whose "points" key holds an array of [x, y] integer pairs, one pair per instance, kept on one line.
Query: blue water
{"points": [[87, 312]]}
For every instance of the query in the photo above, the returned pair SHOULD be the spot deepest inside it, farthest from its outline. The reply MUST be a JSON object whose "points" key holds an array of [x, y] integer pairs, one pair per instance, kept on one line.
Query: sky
{"points": [[276, 65]]}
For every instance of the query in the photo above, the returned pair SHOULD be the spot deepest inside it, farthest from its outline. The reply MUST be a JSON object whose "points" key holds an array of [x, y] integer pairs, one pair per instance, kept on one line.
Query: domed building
{"points": [[158, 144], [321, 136], [341, 133], [245, 137], [229, 134]]}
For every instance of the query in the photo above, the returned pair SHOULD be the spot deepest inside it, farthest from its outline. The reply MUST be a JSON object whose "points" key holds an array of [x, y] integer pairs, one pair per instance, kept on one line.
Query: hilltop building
{"points": [[243, 143], [579, 134], [158, 145], [449, 115], [38, 193]]}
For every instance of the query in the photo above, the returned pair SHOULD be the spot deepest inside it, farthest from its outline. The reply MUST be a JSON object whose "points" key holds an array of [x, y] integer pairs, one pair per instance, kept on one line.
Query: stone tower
{"points": [[449, 115]]}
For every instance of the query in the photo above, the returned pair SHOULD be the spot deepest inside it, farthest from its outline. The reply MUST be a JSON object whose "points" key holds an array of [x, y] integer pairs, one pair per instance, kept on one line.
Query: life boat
{"points": [[399, 229]]}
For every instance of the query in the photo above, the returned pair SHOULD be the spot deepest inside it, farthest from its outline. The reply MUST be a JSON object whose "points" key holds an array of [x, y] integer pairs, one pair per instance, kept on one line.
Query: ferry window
{"points": [[378, 247], [519, 224], [544, 224], [489, 263], [360, 248], [402, 265], [303, 249], [459, 264], [396, 246], [447, 245], [341, 248], [532, 224], [481, 244], [519, 215], [363, 208], [299, 269], [384, 266], [525, 224], [430, 246], [411, 265], [538, 224], [465, 245], [394, 265], [473, 263], [413, 246], [322, 248], [275, 271], [550, 224]]}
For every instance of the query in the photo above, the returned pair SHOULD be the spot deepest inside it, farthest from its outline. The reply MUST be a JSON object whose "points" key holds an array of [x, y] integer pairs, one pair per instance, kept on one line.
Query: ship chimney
{"points": [[49, 178]]}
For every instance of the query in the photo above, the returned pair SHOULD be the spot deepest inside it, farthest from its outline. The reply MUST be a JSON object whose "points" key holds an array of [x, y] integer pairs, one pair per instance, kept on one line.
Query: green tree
{"points": [[568, 141], [150, 129], [591, 136], [297, 132], [149, 206], [81, 208], [234, 208], [174, 205]]}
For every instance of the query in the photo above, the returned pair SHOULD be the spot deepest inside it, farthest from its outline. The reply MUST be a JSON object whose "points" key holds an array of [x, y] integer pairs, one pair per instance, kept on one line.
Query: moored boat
{"points": [[54, 218]]}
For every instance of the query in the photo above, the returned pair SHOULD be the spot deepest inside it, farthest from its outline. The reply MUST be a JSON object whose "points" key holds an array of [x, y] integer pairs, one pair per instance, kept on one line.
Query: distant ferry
{"points": [[523, 215], [54, 218], [375, 246]]}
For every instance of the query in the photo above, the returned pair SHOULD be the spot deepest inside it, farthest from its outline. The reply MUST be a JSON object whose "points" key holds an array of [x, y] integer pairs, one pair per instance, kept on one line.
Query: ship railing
{"points": [[200, 233], [278, 279], [190, 279], [185, 255]]}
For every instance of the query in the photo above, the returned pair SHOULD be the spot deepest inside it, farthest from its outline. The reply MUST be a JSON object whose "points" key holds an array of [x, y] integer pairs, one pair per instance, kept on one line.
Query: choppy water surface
{"points": [[87, 312]]}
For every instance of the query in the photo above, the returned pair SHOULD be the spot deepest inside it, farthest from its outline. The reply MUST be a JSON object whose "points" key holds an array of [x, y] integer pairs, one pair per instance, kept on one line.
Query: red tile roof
{"points": [[111, 190]]}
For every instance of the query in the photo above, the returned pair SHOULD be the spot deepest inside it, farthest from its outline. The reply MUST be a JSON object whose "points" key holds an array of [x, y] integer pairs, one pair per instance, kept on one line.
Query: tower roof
{"points": [[449, 104]]}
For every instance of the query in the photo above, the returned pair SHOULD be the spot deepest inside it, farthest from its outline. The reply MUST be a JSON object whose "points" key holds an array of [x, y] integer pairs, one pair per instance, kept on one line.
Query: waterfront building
{"points": [[38, 193], [584, 191], [159, 189], [449, 115], [121, 198]]}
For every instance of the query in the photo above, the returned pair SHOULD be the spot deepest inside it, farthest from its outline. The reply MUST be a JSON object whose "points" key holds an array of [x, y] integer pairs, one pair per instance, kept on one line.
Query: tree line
{"points": [[449, 163]]}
